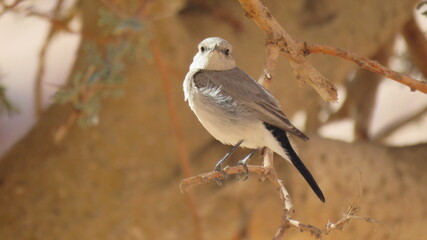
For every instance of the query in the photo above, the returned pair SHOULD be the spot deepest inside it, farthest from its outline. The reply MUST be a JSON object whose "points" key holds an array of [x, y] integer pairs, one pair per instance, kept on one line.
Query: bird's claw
{"points": [[245, 166], [221, 180]]}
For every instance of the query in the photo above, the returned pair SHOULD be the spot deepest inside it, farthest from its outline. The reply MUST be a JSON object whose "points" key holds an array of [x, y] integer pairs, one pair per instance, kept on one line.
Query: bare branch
{"points": [[38, 91], [265, 172], [10, 6], [278, 37], [296, 52], [361, 95], [191, 182], [84, 94], [366, 63]]}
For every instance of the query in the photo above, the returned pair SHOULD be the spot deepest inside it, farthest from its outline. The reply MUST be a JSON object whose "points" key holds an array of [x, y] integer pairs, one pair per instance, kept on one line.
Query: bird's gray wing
{"points": [[249, 93]]}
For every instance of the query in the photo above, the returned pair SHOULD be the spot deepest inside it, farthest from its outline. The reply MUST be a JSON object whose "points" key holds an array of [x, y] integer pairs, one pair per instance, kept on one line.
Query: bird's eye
{"points": [[202, 49], [227, 52]]}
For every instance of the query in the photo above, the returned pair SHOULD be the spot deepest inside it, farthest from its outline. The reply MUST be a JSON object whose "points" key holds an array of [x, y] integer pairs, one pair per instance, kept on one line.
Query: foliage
{"points": [[103, 66]]}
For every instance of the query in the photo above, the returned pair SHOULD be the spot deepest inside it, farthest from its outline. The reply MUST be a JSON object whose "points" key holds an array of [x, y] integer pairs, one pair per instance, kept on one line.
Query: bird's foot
{"points": [[221, 180], [244, 163], [246, 173]]}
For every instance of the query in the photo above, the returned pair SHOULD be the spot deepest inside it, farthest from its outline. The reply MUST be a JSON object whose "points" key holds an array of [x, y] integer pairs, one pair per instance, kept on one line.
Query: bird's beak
{"points": [[216, 48]]}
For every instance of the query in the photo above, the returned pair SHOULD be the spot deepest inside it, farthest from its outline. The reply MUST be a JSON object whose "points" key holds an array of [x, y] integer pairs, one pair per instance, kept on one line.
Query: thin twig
{"points": [[361, 95], [63, 25], [10, 6], [368, 64], [84, 94], [193, 181], [287, 222], [38, 91]]}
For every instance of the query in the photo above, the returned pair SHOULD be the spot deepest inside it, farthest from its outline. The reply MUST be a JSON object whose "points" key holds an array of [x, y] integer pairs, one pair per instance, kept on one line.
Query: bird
{"points": [[237, 110]]}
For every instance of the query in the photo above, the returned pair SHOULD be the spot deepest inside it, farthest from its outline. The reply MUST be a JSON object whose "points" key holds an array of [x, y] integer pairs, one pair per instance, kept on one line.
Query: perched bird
{"points": [[237, 110]]}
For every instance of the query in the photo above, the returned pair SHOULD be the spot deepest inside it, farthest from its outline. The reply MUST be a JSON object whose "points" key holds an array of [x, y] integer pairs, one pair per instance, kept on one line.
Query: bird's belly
{"points": [[231, 129]]}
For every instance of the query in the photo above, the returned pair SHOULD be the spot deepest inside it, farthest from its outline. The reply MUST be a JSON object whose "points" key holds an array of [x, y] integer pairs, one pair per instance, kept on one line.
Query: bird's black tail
{"points": [[283, 139]]}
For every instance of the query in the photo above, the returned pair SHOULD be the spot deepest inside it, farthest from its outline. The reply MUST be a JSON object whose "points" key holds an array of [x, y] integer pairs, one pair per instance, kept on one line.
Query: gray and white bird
{"points": [[237, 110]]}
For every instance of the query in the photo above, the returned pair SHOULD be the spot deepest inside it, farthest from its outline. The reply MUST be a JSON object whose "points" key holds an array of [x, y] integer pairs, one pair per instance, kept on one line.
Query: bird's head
{"points": [[214, 53]]}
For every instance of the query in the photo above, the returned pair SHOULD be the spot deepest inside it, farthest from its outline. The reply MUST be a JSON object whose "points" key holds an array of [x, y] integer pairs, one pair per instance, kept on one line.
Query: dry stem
{"points": [[38, 91], [368, 64]]}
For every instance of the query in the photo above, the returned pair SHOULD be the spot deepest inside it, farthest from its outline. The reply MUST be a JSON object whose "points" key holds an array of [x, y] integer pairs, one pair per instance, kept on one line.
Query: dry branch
{"points": [[368, 64], [38, 91], [296, 52], [361, 95], [276, 36], [266, 172]]}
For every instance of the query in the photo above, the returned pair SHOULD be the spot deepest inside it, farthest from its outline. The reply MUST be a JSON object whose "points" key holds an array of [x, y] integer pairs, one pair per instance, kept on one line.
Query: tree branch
{"points": [[296, 52], [368, 64], [38, 91], [265, 172], [280, 39]]}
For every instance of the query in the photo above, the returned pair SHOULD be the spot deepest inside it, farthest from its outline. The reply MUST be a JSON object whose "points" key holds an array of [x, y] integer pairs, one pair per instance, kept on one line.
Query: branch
{"points": [[296, 52], [280, 39], [84, 94], [7, 7], [361, 95], [188, 183], [38, 91], [266, 172], [368, 64]]}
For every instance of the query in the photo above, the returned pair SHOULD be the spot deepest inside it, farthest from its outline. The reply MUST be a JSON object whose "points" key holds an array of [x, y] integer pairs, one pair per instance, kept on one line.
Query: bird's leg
{"points": [[218, 166], [244, 163]]}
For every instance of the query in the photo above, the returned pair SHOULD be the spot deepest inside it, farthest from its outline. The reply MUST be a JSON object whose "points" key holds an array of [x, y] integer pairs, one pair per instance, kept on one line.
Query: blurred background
{"points": [[95, 135]]}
